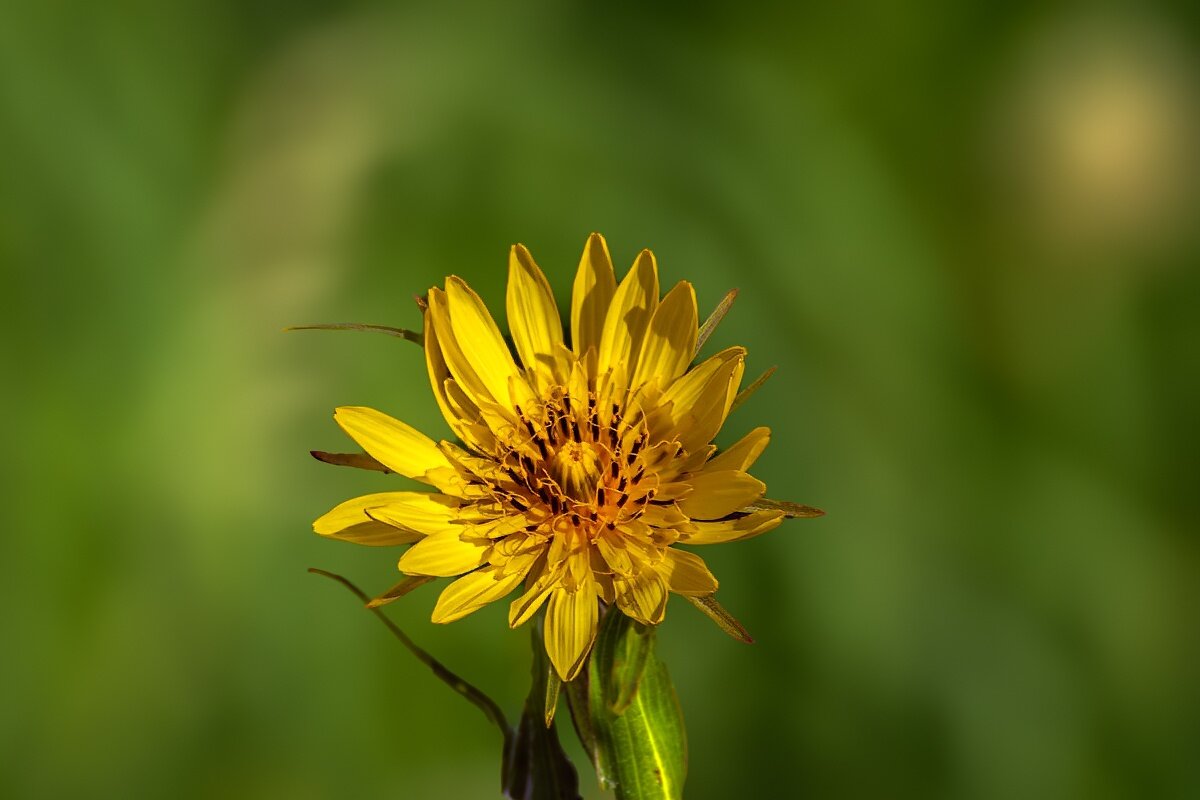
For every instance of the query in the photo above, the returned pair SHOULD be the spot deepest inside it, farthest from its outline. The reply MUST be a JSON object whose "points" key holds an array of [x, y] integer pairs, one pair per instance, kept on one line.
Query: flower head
{"points": [[582, 465]]}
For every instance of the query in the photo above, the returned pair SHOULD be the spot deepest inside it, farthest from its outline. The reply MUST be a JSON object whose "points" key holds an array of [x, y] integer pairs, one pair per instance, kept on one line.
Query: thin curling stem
{"points": [[484, 703]]}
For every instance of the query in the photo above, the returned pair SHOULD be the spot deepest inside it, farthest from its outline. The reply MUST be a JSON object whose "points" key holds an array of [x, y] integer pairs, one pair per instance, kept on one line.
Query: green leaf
{"points": [[535, 765], [638, 745]]}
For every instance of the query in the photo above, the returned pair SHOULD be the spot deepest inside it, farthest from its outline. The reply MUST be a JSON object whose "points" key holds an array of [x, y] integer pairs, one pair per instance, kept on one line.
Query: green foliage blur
{"points": [[968, 235]]}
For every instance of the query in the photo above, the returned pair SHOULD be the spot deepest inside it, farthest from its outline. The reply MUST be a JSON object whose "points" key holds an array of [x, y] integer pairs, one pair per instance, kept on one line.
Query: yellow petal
{"points": [[479, 422], [705, 418], [665, 515], [401, 589], [533, 316], [349, 521], [479, 338], [695, 406], [670, 342], [531, 600], [743, 454], [611, 547], [719, 493], [571, 622], [686, 573], [442, 555], [595, 285], [461, 368], [397, 446], [733, 530], [679, 399], [485, 469], [459, 418], [474, 591], [423, 512], [643, 597], [632, 308]]}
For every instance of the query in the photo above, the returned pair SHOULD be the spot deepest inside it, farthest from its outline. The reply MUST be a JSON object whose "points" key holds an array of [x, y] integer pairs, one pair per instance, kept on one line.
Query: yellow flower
{"points": [[582, 466]]}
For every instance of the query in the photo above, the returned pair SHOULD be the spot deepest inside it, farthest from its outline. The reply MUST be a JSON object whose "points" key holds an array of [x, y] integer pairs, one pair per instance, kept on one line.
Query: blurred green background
{"points": [[966, 233]]}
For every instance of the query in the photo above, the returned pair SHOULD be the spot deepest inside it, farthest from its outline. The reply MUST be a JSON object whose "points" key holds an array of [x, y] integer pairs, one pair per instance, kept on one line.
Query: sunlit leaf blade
{"points": [[791, 510], [535, 765], [403, 333], [717, 613], [399, 590], [745, 394], [473, 695], [356, 460], [641, 754], [714, 319]]}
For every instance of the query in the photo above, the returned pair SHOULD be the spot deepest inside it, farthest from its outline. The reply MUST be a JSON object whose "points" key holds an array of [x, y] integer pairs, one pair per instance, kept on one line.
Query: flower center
{"points": [[573, 462], [576, 468]]}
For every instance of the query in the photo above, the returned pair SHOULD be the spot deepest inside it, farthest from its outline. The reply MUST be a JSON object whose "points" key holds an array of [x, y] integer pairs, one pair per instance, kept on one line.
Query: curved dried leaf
{"points": [[790, 510], [745, 394], [356, 460], [717, 613], [714, 319], [403, 333]]}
